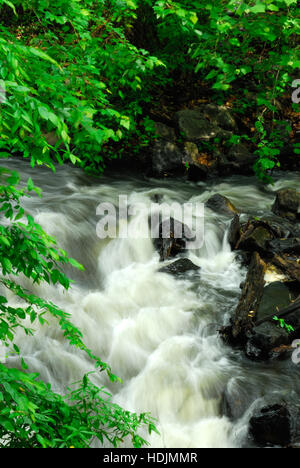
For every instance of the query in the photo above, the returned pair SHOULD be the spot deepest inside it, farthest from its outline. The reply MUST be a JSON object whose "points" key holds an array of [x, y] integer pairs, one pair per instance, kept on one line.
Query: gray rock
{"points": [[256, 240], [166, 159], [164, 132], [275, 295], [220, 116], [290, 245], [276, 419], [265, 337], [221, 204], [287, 203], [179, 267], [192, 160], [195, 126], [172, 238], [234, 231], [271, 425], [240, 156]]}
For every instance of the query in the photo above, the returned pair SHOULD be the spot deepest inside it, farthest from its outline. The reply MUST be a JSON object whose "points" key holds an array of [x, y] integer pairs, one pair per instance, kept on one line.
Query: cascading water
{"points": [[158, 333]]}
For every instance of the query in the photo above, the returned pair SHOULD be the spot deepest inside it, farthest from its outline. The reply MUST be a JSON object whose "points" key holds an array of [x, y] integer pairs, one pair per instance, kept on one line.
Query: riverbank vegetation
{"points": [[82, 82]]}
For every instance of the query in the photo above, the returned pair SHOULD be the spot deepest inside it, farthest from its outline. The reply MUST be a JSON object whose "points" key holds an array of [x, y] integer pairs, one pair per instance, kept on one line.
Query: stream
{"points": [[158, 333]]}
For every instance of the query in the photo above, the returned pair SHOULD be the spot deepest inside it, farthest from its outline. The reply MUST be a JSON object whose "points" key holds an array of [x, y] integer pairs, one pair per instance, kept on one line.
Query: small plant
{"points": [[283, 324], [267, 152]]}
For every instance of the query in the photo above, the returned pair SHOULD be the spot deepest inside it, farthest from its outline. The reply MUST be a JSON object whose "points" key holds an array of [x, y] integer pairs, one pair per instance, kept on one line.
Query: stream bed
{"points": [[159, 333]]}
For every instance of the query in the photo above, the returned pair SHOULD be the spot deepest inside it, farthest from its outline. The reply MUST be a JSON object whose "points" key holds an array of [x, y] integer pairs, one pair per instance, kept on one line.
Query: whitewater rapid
{"points": [[159, 333]]}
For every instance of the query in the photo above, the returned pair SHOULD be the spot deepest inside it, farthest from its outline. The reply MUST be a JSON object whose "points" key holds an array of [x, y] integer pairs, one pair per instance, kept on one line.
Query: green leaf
{"points": [[11, 5], [24, 365], [7, 264], [258, 8], [125, 123], [6, 424], [39, 53], [30, 184], [4, 241], [74, 262]]}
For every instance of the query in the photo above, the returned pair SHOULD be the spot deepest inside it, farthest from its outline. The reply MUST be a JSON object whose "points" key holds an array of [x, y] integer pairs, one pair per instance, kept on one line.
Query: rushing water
{"points": [[158, 333]]}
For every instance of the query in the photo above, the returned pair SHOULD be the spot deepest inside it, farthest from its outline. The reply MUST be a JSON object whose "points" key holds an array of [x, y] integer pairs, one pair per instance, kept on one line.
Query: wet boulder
{"points": [[263, 339], [271, 425], [242, 322], [221, 205], [281, 227], [267, 338], [287, 203], [275, 296], [255, 239], [234, 232], [172, 238], [180, 267], [276, 420], [256, 235], [290, 245], [289, 265]]}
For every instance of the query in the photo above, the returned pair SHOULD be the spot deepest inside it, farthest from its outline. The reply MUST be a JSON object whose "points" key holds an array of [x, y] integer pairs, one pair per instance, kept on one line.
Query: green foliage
{"points": [[32, 416], [85, 91], [248, 48], [268, 147], [79, 76], [283, 324]]}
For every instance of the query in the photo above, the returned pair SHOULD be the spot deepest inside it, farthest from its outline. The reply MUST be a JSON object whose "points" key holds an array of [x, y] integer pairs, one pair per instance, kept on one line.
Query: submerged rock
{"points": [[280, 227], [237, 397], [179, 267], [172, 238], [221, 205]]}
